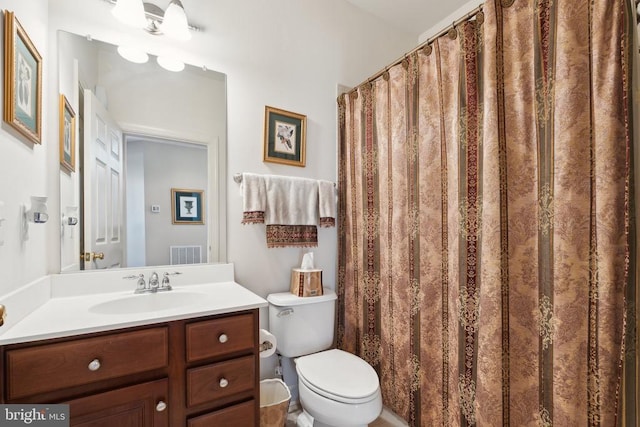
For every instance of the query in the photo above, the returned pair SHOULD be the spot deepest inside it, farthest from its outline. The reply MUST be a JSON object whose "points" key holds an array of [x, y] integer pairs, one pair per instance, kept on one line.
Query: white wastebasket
{"points": [[274, 403]]}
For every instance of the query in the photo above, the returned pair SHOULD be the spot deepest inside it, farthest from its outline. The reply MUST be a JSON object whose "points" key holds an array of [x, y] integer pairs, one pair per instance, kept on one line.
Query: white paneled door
{"points": [[103, 187]]}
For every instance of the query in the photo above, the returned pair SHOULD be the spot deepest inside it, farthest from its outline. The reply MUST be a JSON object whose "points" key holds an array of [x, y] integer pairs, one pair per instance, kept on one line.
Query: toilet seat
{"points": [[339, 376]]}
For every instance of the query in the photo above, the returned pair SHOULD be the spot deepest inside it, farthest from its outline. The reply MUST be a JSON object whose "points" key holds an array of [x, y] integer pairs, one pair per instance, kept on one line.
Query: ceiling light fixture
{"points": [[172, 22]]}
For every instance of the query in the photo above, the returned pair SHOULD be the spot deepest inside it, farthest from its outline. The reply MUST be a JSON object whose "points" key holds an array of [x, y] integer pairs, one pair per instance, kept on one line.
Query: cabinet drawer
{"points": [[218, 380], [240, 415], [49, 367], [219, 336]]}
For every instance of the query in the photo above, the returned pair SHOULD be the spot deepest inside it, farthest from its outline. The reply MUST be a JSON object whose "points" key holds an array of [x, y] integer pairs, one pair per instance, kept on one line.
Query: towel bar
{"points": [[238, 178]]}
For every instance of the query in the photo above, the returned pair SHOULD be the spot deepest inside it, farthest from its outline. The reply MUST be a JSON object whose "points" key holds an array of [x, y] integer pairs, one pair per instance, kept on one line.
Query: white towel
{"points": [[254, 198], [291, 201], [327, 203]]}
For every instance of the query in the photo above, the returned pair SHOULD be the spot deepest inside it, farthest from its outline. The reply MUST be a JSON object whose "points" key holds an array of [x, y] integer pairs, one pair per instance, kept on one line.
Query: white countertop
{"points": [[80, 314]]}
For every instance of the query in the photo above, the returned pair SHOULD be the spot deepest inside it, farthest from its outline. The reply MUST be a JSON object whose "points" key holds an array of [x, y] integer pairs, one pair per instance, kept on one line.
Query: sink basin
{"points": [[143, 303]]}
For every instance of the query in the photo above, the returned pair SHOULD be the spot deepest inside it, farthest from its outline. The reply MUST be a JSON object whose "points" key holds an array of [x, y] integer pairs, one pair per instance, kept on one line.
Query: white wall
{"points": [[28, 170]]}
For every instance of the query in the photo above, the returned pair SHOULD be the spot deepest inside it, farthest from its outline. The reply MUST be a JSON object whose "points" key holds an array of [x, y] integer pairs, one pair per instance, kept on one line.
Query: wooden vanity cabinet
{"points": [[186, 373]]}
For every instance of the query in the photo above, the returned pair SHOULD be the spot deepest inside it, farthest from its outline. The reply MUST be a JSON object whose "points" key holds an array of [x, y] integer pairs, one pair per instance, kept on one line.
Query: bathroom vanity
{"points": [[193, 365]]}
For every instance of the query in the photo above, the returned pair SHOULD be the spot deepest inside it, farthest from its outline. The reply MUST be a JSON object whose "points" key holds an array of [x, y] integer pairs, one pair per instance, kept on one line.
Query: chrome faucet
{"points": [[141, 285], [165, 283], [154, 282], [166, 286]]}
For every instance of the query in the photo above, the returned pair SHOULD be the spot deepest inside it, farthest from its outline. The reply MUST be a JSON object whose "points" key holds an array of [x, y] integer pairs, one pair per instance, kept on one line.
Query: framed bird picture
{"points": [[284, 137]]}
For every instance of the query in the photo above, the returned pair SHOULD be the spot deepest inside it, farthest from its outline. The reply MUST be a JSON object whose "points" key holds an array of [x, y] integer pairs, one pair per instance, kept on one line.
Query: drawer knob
{"points": [[223, 382], [161, 406], [223, 338], [94, 365]]}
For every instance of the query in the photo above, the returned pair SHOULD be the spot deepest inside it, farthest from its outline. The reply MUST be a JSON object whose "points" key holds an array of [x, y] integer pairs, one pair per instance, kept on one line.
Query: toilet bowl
{"points": [[338, 389]]}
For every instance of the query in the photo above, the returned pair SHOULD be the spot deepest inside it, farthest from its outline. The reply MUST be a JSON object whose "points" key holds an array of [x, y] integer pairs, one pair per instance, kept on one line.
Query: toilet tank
{"points": [[302, 325]]}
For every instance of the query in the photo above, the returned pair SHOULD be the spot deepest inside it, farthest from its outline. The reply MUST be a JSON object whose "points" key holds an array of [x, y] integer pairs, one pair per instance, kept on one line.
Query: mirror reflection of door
{"points": [[103, 185]]}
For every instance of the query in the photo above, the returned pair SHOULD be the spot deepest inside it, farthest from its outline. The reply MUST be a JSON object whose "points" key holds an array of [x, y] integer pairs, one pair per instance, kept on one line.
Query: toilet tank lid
{"points": [[287, 299]]}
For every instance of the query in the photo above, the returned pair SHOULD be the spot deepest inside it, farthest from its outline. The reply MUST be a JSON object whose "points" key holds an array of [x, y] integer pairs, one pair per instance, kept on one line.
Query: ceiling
{"points": [[414, 16]]}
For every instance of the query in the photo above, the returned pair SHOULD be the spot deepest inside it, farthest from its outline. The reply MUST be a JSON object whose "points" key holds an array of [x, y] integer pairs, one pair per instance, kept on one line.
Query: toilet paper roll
{"points": [[268, 343]]}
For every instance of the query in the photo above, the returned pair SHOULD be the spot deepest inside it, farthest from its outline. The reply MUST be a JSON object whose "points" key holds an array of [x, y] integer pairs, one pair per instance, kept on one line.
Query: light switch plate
{"points": [[155, 208]]}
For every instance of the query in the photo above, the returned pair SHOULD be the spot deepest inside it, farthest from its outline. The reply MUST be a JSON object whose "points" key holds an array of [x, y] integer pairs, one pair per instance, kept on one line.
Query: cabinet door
{"points": [[143, 405]]}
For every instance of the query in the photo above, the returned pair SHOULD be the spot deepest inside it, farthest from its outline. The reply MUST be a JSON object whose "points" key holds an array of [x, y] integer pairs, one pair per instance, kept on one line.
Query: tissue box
{"points": [[306, 283]]}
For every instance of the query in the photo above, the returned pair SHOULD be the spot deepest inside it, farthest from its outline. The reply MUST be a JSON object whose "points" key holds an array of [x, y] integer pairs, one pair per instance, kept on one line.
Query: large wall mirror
{"points": [[142, 177]]}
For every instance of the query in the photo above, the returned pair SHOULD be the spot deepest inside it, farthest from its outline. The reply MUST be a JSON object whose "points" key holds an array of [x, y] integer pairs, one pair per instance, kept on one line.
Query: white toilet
{"points": [[337, 389]]}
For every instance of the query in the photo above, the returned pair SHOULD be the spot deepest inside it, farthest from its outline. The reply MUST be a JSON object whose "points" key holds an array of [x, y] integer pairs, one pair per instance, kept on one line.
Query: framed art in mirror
{"points": [[186, 206], [22, 80], [284, 137], [67, 135]]}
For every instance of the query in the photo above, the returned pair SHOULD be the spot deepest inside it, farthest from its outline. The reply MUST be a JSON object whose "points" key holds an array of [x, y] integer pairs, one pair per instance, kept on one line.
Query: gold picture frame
{"points": [[22, 81], [187, 206], [285, 135], [67, 135]]}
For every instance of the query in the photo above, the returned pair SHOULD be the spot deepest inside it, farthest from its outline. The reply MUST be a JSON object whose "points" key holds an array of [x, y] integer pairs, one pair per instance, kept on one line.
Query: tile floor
{"points": [[386, 419]]}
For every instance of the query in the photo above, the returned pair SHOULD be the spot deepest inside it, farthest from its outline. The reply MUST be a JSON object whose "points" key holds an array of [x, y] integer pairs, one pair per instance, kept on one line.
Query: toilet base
{"points": [[306, 420], [318, 411]]}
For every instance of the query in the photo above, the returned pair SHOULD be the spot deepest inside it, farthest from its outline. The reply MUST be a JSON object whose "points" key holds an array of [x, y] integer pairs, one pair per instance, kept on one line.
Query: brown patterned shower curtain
{"points": [[487, 261]]}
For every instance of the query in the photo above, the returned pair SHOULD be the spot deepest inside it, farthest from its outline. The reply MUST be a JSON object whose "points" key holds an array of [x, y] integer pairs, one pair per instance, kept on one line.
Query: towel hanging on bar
{"points": [[291, 207]]}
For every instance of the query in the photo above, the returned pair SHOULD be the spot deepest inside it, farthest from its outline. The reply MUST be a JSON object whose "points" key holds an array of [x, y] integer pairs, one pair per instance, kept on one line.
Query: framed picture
{"points": [[67, 135], [22, 80], [187, 206], [285, 136]]}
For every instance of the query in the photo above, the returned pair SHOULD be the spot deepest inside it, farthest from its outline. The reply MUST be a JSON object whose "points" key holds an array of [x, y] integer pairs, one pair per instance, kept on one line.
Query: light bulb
{"points": [[133, 54], [174, 23], [130, 12], [170, 64]]}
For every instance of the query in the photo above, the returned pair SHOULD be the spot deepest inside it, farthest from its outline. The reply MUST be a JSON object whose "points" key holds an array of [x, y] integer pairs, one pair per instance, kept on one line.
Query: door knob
{"points": [[3, 314], [88, 256]]}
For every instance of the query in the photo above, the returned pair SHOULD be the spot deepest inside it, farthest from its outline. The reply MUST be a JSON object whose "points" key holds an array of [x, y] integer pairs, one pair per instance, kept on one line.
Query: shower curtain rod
{"points": [[430, 40]]}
